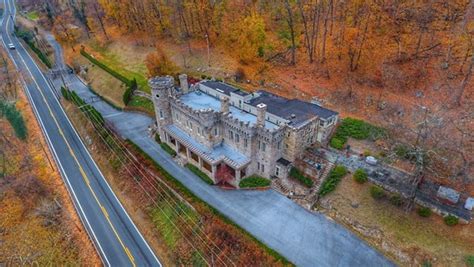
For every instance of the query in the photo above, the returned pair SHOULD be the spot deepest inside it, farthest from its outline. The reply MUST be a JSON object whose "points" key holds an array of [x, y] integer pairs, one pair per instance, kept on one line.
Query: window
{"points": [[231, 135], [245, 142], [264, 145], [161, 114], [215, 131], [237, 138], [258, 165], [277, 171], [321, 123], [263, 168], [279, 145]]}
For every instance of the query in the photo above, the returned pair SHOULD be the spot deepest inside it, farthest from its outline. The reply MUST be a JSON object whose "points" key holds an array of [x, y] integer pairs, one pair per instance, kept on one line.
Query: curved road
{"points": [[115, 236]]}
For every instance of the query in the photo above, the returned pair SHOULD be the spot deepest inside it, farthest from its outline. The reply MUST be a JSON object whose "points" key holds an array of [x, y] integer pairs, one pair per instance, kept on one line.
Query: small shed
{"points": [[469, 203], [371, 160], [448, 194]]}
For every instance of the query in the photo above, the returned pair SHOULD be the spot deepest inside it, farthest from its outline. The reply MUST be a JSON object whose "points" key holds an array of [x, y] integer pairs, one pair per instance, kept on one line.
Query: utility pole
{"points": [[208, 50]]}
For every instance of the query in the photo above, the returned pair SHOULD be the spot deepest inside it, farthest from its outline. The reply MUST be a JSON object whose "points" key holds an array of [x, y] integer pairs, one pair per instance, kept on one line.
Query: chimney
{"points": [[183, 81], [261, 110], [225, 104]]}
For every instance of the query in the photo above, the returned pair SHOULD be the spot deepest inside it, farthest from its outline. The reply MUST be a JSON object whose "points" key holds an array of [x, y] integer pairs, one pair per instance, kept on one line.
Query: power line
{"points": [[139, 167]]}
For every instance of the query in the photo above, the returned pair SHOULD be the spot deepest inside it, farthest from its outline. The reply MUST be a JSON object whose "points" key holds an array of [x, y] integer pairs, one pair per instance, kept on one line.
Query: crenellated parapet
{"points": [[206, 117]]}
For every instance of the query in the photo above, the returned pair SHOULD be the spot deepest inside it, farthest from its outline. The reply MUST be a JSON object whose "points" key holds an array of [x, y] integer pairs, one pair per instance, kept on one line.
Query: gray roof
{"points": [[198, 100], [285, 108], [283, 162], [225, 88]]}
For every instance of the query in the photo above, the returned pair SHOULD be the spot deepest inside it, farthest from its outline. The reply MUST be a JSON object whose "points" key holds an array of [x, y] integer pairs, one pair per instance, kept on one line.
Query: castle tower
{"points": [[183, 82], [224, 104], [161, 89], [261, 110]]}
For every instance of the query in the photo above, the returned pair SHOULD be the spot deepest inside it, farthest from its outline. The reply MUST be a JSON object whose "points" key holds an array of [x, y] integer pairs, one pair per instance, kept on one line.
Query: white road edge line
{"points": [[76, 203], [87, 151]]}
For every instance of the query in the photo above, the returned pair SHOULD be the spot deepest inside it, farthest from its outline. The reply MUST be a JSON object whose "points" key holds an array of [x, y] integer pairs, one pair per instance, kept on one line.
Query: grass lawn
{"points": [[124, 60], [32, 15], [104, 83], [165, 218], [142, 102]]}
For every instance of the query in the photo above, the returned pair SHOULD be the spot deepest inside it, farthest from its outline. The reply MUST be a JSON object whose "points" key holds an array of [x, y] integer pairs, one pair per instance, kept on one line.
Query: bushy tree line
{"points": [[15, 118]]}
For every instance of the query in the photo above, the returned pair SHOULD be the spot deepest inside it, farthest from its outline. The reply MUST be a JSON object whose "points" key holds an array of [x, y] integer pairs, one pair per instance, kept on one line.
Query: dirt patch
{"points": [[406, 237]]}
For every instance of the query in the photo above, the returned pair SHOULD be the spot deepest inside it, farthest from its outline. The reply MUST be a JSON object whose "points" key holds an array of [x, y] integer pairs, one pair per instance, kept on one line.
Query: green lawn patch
{"points": [[254, 181], [168, 149], [15, 119], [199, 173], [357, 129], [33, 15], [298, 175], [334, 177], [165, 217], [141, 102]]}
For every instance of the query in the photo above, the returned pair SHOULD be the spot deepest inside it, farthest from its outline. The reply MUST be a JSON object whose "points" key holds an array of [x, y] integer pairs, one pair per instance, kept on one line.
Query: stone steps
{"points": [[280, 187]]}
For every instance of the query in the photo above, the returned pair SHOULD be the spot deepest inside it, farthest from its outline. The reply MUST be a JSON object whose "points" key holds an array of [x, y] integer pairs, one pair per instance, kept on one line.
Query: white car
{"points": [[11, 46]]}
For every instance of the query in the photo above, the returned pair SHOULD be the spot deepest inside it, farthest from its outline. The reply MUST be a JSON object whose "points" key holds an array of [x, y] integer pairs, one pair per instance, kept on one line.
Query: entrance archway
{"points": [[225, 175]]}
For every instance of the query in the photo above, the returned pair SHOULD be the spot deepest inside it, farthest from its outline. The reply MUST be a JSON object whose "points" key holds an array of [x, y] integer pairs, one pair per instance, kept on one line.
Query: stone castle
{"points": [[230, 134]]}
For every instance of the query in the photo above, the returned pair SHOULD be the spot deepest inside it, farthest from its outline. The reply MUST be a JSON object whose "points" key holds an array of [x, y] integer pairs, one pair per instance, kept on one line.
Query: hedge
{"points": [[87, 109], [360, 176], [396, 200], [333, 179], [295, 173], [157, 138], [424, 212], [127, 95], [254, 181], [357, 129], [168, 149], [199, 173], [470, 261], [28, 37], [15, 119], [377, 192], [101, 65], [451, 220]]}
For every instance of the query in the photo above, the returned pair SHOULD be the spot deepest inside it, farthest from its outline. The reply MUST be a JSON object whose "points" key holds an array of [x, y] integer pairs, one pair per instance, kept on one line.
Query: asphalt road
{"points": [[305, 238], [116, 238]]}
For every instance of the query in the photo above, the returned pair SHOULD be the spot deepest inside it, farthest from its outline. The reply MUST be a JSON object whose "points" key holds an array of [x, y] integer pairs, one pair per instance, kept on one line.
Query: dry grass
{"points": [[103, 83], [415, 238]]}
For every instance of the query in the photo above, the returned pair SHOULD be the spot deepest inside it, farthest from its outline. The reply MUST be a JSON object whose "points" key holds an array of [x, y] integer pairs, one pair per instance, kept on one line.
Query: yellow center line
{"points": [[84, 176]]}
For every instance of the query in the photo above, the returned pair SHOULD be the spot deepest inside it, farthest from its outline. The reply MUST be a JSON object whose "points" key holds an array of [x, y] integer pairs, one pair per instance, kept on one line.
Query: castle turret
{"points": [[183, 82], [161, 88], [261, 110], [224, 104]]}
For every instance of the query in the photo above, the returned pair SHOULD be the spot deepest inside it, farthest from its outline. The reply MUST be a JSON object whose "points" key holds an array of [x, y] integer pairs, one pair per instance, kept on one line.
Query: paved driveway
{"points": [[303, 237]]}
